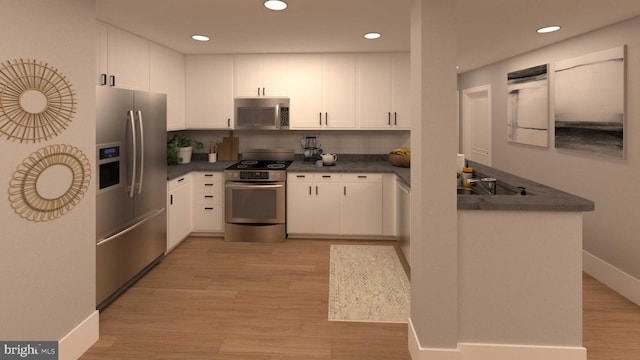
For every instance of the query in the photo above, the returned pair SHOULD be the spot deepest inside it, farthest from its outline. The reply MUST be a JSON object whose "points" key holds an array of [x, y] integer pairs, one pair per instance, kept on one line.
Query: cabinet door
{"points": [[326, 210], [374, 91], [128, 59], [276, 72], [179, 212], [400, 91], [339, 94], [313, 204], [300, 205], [209, 94], [102, 54], [361, 206], [247, 76], [167, 76], [305, 85]]}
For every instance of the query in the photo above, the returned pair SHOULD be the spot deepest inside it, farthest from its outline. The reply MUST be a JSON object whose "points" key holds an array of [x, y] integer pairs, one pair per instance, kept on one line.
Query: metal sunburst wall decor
{"points": [[49, 182], [36, 101]]}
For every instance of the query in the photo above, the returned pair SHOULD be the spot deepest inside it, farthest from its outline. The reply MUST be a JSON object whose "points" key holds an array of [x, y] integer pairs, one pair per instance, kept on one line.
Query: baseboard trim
{"points": [[618, 280], [521, 352], [476, 351], [417, 352], [80, 339]]}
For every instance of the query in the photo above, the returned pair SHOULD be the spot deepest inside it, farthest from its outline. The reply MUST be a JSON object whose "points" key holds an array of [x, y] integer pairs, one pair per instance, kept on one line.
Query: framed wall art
{"points": [[590, 103], [528, 106]]}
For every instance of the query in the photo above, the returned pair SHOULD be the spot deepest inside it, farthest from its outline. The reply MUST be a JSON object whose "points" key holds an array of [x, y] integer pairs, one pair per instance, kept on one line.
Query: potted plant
{"points": [[180, 148]]}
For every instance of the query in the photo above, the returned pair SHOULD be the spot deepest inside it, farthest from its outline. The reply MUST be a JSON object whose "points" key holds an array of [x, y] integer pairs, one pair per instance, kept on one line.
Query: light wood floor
{"points": [[215, 300]]}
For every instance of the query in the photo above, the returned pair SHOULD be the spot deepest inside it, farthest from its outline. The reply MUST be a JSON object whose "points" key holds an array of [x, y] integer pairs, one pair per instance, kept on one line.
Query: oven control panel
{"points": [[255, 175]]}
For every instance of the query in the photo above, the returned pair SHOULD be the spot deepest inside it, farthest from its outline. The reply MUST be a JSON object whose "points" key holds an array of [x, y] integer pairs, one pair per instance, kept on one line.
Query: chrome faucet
{"points": [[490, 183]]}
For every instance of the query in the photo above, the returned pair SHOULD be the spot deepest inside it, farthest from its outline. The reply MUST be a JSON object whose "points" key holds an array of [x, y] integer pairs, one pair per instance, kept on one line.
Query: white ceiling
{"points": [[488, 30]]}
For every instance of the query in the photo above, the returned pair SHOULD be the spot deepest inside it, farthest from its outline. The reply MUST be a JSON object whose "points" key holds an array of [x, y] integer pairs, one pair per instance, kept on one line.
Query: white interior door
{"points": [[476, 118]]}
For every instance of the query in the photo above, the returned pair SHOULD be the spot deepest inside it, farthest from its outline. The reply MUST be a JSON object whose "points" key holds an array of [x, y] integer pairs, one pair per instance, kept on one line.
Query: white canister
{"points": [[213, 157]]}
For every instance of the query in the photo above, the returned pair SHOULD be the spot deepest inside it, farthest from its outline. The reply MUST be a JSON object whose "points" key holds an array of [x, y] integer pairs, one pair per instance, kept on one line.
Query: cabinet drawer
{"points": [[208, 218], [362, 177], [202, 177], [182, 180], [207, 199]]}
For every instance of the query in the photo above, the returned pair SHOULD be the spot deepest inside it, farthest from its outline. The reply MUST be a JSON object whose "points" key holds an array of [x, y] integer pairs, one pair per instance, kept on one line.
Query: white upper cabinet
{"points": [[323, 96], [305, 87], [339, 91], [209, 100], [383, 91], [261, 75], [167, 76], [123, 59]]}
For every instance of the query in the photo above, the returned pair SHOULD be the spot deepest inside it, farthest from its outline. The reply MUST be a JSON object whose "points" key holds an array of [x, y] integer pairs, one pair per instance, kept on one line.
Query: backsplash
{"points": [[340, 142]]}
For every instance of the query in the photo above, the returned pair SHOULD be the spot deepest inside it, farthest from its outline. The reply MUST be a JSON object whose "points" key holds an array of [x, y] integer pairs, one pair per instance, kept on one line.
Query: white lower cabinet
{"points": [[403, 216], [361, 204], [179, 208], [208, 201], [313, 203], [335, 204]]}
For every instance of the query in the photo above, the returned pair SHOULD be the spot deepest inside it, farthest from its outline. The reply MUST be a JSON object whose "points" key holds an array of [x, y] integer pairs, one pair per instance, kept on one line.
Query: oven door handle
{"points": [[253, 186]]}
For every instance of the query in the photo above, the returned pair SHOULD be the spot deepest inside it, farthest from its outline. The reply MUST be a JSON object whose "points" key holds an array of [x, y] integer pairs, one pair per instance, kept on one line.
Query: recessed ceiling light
{"points": [[548, 29], [372, 35], [200, 37], [275, 4]]}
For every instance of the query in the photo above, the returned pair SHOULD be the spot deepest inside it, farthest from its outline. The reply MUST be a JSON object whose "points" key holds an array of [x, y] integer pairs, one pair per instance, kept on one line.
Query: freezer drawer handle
{"points": [[153, 214]]}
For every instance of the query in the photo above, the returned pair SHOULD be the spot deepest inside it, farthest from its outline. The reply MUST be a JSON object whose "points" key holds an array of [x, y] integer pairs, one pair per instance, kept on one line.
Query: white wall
{"points": [[611, 231], [47, 269]]}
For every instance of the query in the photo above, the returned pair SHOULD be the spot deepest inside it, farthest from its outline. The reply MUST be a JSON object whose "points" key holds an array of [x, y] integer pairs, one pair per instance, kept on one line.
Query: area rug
{"points": [[367, 283]]}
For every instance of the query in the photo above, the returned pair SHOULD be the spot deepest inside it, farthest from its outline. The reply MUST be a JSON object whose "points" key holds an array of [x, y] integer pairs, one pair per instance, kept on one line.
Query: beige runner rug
{"points": [[367, 283]]}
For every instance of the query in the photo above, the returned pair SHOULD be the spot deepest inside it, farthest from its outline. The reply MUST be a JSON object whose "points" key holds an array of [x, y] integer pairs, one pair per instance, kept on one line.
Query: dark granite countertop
{"points": [[539, 197], [345, 164]]}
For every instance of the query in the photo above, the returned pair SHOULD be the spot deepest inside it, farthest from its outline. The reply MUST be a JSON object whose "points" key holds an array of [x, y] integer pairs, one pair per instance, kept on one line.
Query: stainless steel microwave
{"points": [[262, 113]]}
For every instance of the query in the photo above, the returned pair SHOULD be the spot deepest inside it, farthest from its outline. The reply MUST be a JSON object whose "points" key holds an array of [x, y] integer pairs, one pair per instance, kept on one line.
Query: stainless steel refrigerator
{"points": [[131, 223]]}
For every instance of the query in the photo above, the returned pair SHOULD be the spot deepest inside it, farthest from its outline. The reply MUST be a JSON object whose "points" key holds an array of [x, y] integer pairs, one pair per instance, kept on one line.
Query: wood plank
{"points": [[210, 299]]}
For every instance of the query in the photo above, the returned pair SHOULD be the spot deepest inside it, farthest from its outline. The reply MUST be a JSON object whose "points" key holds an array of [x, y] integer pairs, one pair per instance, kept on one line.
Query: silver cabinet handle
{"points": [[135, 153], [112, 81], [103, 79], [395, 118], [316, 189], [141, 152], [326, 119], [258, 91], [320, 118], [310, 190], [345, 191], [228, 122], [389, 119]]}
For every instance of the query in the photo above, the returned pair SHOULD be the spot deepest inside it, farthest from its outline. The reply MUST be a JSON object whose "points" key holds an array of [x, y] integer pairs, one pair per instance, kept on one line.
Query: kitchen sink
{"points": [[467, 191], [477, 189]]}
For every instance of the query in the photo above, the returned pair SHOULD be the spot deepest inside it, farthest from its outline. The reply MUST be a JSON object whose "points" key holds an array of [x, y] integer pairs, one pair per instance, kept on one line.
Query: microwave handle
{"points": [[277, 116]]}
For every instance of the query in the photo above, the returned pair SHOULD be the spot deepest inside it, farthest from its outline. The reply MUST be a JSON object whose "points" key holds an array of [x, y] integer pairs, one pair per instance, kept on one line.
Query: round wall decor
{"points": [[36, 101], [49, 182]]}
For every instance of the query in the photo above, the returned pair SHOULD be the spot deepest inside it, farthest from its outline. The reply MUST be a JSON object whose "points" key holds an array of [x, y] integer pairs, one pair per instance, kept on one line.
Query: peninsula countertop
{"points": [[539, 197]]}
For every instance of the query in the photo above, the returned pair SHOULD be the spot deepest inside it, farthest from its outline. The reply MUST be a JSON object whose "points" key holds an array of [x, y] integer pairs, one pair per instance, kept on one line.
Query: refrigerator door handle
{"points": [[141, 152], [135, 153], [119, 233]]}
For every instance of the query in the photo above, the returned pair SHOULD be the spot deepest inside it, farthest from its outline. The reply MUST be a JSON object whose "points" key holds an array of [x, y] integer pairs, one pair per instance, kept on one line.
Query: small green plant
{"points": [[179, 140]]}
